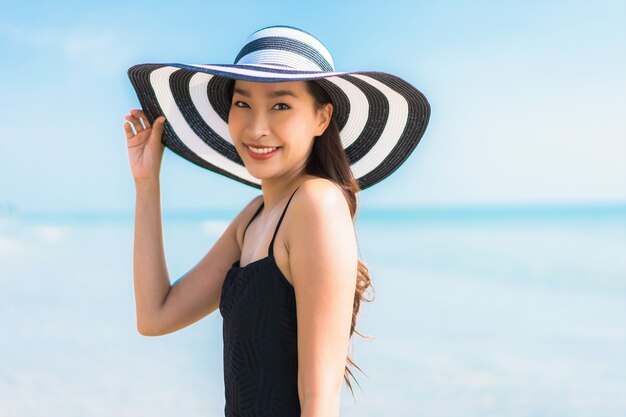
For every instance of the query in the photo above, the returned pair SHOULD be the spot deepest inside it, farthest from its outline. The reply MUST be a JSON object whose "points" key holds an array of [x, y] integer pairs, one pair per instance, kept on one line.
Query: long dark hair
{"points": [[328, 160]]}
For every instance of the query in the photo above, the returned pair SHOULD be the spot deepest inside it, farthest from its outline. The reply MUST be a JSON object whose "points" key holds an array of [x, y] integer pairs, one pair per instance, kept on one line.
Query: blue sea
{"points": [[477, 312]]}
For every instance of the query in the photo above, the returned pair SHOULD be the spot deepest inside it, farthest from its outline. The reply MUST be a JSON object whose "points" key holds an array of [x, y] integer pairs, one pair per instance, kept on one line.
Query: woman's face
{"points": [[277, 120]]}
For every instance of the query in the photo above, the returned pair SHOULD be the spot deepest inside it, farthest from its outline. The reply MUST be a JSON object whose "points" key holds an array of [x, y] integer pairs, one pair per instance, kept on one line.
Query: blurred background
{"points": [[497, 251]]}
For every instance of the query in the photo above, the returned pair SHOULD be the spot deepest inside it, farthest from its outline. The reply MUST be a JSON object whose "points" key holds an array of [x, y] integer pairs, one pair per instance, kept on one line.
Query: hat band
{"points": [[283, 51]]}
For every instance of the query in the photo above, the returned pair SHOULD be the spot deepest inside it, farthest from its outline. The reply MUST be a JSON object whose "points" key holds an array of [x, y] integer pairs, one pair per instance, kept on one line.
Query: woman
{"points": [[285, 274]]}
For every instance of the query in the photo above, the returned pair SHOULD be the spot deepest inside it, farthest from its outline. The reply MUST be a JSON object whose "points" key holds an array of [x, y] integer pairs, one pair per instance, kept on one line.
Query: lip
{"points": [[262, 156]]}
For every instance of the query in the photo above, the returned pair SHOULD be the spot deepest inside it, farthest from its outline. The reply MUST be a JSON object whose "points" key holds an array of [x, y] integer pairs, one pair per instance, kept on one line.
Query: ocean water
{"points": [[517, 312]]}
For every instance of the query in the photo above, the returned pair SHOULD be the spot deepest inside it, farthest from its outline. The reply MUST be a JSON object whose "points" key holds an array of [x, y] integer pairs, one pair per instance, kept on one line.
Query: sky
{"points": [[528, 99]]}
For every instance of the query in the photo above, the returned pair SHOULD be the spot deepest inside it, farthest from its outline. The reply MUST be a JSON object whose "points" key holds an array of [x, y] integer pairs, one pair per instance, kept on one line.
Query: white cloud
{"points": [[10, 246], [49, 233]]}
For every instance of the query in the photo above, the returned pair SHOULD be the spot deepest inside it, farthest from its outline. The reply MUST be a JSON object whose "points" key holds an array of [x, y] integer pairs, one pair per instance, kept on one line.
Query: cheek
{"points": [[233, 126], [297, 127]]}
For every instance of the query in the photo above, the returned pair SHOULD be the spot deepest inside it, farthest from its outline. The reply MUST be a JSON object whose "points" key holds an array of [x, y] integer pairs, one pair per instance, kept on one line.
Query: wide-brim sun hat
{"points": [[381, 117]]}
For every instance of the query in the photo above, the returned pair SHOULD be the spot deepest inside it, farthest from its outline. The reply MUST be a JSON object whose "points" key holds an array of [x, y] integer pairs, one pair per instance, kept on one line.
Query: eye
{"points": [[283, 104], [236, 104]]}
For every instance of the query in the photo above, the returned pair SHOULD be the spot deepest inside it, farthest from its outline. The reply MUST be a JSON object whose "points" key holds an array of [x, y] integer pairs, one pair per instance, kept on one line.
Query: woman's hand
{"points": [[145, 150]]}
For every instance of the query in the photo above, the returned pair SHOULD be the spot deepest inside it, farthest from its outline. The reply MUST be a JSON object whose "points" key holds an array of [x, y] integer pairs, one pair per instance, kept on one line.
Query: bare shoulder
{"points": [[321, 239], [320, 196], [320, 209]]}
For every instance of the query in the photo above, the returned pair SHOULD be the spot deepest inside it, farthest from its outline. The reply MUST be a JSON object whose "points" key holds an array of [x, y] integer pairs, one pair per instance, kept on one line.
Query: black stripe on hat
{"points": [[140, 79], [286, 44], [218, 96], [179, 84], [340, 101], [419, 114], [376, 119]]}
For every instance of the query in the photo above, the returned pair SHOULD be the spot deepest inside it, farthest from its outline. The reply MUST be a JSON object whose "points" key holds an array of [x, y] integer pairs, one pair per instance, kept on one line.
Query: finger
{"points": [[141, 116], [128, 130], [158, 126], [136, 123]]}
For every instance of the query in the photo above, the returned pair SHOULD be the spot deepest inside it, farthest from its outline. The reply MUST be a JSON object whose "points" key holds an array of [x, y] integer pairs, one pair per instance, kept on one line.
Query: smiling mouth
{"points": [[262, 150]]}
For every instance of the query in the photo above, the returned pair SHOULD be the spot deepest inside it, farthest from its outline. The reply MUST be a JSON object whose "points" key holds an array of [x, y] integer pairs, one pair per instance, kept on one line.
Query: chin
{"points": [[260, 174]]}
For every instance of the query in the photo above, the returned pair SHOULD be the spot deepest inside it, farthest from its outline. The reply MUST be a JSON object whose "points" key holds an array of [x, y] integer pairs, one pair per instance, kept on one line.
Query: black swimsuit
{"points": [[258, 306]]}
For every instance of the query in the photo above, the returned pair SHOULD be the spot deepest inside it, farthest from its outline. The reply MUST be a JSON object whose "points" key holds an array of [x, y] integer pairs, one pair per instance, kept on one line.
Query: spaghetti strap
{"points": [[258, 210], [270, 251]]}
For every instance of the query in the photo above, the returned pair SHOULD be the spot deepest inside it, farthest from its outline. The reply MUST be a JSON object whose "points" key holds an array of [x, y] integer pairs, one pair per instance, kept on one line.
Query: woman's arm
{"points": [[145, 153], [197, 293], [163, 308], [150, 277], [323, 263]]}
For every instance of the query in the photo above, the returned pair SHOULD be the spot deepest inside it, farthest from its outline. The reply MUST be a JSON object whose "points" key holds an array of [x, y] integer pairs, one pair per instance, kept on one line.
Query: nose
{"points": [[257, 125]]}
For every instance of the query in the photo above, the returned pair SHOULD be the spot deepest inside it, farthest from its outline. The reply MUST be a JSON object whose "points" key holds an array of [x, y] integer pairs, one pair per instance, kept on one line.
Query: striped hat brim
{"points": [[380, 116]]}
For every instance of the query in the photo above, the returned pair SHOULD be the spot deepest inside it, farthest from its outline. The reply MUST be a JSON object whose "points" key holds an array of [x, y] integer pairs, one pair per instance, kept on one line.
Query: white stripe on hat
{"points": [[359, 109], [271, 66], [159, 79], [398, 116], [298, 35], [198, 92], [292, 59], [263, 74]]}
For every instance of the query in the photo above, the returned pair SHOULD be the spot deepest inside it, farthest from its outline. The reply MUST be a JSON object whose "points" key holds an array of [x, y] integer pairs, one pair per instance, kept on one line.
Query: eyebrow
{"points": [[277, 93]]}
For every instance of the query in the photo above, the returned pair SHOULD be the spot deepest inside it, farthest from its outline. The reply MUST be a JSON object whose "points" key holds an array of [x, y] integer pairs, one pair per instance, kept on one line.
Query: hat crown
{"points": [[285, 46]]}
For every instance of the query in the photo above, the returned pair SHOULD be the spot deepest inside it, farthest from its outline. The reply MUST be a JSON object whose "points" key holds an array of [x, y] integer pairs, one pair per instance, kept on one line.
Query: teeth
{"points": [[262, 150]]}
